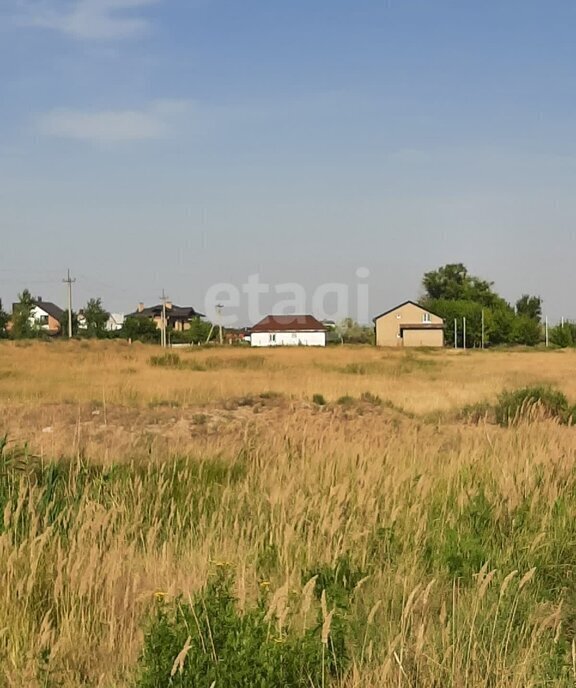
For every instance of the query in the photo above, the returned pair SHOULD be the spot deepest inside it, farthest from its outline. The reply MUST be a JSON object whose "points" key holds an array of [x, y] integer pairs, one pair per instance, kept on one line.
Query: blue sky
{"points": [[151, 144]]}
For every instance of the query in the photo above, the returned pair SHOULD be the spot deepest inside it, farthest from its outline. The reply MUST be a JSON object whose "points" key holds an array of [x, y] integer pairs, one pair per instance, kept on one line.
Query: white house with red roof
{"points": [[288, 330]]}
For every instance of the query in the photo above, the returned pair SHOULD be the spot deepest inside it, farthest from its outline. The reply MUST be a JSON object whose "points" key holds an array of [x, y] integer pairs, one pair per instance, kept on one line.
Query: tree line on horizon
{"points": [[450, 292]]}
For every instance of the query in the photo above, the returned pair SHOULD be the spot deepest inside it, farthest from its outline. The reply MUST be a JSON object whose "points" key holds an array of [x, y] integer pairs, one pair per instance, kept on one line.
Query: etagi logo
{"points": [[328, 301]]}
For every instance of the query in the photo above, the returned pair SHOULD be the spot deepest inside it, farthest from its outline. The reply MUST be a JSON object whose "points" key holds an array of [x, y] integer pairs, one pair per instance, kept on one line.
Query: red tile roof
{"points": [[289, 323]]}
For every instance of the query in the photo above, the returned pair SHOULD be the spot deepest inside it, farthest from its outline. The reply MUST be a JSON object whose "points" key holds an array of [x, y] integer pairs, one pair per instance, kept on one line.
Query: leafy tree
{"points": [[199, 331], [457, 310], [562, 336], [530, 306], [452, 293], [64, 324], [140, 329], [526, 330], [351, 332], [96, 318], [22, 327], [452, 282], [4, 318]]}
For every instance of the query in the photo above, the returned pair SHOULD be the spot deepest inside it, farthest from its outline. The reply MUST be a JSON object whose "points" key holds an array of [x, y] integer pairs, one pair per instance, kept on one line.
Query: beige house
{"points": [[409, 325]]}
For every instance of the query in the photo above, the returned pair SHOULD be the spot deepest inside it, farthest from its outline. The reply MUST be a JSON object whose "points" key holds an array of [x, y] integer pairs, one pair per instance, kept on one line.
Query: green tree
{"points": [[199, 331], [562, 335], [140, 329], [529, 306], [452, 293], [351, 332], [96, 318], [22, 325], [453, 282], [526, 330], [4, 318]]}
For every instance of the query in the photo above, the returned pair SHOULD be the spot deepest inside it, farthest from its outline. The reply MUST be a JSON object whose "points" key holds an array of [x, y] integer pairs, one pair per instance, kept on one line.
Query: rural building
{"points": [[409, 325], [45, 316], [177, 317], [115, 322], [288, 330]]}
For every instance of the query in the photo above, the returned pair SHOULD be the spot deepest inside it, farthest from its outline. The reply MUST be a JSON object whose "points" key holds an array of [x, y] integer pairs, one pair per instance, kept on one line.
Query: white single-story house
{"points": [[288, 330]]}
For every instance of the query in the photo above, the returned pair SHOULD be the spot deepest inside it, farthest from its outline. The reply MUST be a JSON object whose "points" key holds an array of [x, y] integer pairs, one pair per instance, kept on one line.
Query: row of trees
{"points": [[453, 293]]}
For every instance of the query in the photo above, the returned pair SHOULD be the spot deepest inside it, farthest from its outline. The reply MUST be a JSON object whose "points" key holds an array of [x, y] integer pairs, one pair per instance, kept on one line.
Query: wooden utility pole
{"points": [[69, 281]]}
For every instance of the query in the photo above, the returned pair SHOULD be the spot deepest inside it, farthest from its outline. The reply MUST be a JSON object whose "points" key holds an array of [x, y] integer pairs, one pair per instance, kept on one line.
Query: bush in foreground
{"points": [[210, 642], [531, 402]]}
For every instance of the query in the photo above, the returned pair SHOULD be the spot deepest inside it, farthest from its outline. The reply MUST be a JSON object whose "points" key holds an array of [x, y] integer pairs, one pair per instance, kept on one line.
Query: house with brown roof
{"points": [[178, 318], [288, 330], [409, 324]]}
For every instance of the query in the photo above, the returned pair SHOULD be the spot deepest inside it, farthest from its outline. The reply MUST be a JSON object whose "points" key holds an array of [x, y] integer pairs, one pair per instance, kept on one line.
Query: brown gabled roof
{"points": [[289, 323]]}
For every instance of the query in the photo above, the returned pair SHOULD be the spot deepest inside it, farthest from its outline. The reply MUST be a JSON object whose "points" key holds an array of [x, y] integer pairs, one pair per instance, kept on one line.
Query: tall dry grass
{"points": [[463, 536]]}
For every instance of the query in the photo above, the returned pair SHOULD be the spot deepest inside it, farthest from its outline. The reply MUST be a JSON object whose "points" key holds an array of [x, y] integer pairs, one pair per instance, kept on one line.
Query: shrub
{"points": [[210, 642], [562, 336], [525, 403], [319, 399]]}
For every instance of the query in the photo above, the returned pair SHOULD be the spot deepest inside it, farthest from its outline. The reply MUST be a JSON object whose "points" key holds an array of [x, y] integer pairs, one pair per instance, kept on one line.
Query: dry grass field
{"points": [[441, 546]]}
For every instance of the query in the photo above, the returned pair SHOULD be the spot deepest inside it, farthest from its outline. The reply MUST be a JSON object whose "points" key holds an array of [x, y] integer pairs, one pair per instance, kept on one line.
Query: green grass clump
{"points": [[319, 400], [531, 402], [208, 641]]}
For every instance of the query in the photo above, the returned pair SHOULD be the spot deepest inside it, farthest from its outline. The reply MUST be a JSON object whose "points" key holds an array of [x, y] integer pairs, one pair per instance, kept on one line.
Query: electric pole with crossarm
{"points": [[69, 281]]}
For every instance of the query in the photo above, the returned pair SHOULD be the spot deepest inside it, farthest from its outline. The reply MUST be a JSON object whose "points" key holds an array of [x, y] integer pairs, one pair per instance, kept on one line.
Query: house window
{"points": [[42, 320], [426, 318]]}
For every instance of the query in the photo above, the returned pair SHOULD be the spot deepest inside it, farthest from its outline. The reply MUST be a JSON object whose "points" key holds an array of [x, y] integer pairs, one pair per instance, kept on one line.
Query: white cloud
{"points": [[111, 126], [88, 19]]}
